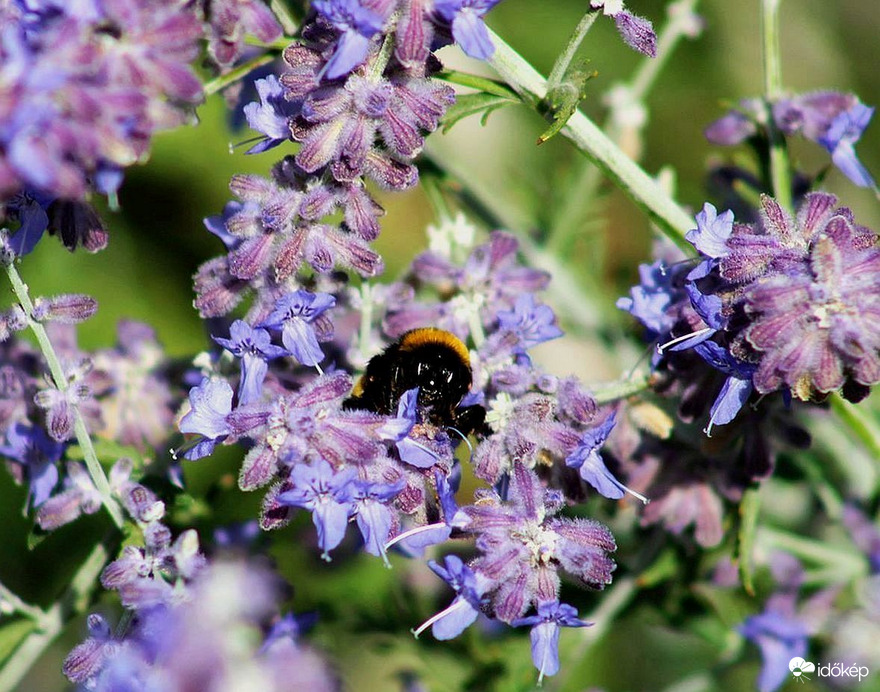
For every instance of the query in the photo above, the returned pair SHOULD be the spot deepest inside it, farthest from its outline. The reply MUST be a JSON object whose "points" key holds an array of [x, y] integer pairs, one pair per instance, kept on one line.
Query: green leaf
{"points": [[484, 84], [12, 634], [563, 100], [108, 452], [748, 524], [471, 104]]}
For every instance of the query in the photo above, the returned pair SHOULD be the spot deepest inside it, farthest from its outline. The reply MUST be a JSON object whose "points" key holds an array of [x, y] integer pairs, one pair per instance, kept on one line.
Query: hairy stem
{"points": [[780, 172], [56, 370], [238, 73], [670, 218], [587, 176], [574, 42]]}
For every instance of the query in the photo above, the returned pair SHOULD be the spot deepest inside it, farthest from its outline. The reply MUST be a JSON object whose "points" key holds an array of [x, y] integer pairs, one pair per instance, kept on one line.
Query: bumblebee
{"points": [[435, 361]]}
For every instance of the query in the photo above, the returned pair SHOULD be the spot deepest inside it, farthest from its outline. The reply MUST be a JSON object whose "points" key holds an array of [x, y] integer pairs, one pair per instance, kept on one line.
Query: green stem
{"points": [[615, 391], [586, 180], [238, 73], [566, 56], [10, 598], [75, 600], [865, 429], [282, 13], [780, 172], [589, 139], [56, 370]]}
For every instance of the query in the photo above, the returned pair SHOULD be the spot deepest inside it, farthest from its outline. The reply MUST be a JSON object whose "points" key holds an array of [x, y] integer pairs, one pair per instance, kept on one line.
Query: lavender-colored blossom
{"points": [[271, 116], [29, 209], [294, 316], [469, 587], [780, 638], [833, 119], [532, 323], [490, 279], [329, 495], [551, 616], [400, 431], [737, 387], [840, 138], [208, 638], [210, 406], [588, 461], [87, 89], [374, 518], [255, 349], [358, 22], [522, 546], [465, 20], [37, 454]]}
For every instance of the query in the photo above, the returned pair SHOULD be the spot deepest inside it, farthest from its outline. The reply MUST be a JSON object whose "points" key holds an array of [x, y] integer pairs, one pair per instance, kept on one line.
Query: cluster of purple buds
{"points": [[198, 630], [121, 394], [395, 475], [832, 119], [85, 85], [788, 304], [358, 97]]}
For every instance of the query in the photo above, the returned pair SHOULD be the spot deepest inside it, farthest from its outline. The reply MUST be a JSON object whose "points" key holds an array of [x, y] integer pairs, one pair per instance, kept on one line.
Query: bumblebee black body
{"points": [[435, 361]]}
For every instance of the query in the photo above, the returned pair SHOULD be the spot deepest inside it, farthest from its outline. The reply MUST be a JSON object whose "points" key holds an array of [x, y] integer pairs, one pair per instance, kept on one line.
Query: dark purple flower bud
{"points": [[231, 20], [71, 308], [637, 32]]}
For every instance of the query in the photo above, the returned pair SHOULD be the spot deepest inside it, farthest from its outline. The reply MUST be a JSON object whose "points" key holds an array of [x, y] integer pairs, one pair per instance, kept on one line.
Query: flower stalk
{"points": [[96, 471]]}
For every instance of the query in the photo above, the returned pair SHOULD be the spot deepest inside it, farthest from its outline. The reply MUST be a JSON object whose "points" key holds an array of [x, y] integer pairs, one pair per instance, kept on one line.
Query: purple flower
{"points": [[737, 387], [210, 406], [832, 119], [545, 633], [587, 460], [469, 587], [271, 116], [294, 316], [781, 638], [30, 447], [465, 19], [357, 24], [522, 546], [255, 349], [840, 138], [374, 518], [328, 494], [532, 323], [637, 32]]}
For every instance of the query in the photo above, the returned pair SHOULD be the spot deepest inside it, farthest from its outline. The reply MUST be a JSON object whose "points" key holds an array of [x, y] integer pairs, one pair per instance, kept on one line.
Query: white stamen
{"points": [[456, 604], [663, 347]]}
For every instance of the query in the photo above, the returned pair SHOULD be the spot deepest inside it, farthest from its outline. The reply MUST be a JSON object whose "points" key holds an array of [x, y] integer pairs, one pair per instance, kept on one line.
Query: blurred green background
{"points": [[158, 240]]}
